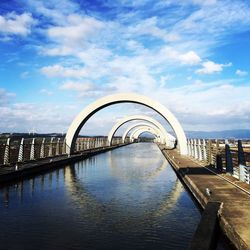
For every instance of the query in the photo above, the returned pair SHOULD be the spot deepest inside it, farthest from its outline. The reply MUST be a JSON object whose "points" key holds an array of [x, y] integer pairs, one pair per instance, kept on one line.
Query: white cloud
{"points": [[60, 71], [190, 58], [149, 27], [54, 10], [5, 96], [16, 24], [241, 73], [204, 2], [210, 67], [46, 92], [77, 86], [43, 118], [170, 54], [78, 30]]}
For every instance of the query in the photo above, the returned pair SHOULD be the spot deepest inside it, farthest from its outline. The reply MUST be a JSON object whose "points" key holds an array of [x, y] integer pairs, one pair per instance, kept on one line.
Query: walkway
{"points": [[208, 186]]}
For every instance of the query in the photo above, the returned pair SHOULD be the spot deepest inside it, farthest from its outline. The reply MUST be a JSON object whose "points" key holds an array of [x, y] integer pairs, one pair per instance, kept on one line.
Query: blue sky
{"points": [[58, 56]]}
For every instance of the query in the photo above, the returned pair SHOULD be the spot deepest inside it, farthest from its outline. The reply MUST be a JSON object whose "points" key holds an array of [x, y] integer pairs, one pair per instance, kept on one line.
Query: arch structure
{"points": [[171, 139], [135, 134], [139, 125], [138, 117], [106, 101]]}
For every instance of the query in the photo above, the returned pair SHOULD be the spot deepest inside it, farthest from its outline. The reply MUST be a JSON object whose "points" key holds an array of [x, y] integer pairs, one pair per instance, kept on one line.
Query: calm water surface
{"points": [[128, 198]]}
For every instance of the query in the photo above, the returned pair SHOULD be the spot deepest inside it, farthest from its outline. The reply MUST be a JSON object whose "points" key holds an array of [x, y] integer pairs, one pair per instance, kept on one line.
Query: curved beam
{"points": [[137, 117], [143, 129], [106, 101], [140, 124]]}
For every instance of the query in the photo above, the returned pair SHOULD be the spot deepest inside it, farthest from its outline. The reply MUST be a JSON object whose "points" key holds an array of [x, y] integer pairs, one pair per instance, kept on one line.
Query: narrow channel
{"points": [[128, 198]]}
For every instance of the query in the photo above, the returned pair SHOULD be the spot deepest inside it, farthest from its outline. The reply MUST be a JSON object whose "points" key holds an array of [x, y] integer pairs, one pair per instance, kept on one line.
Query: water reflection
{"points": [[126, 198]]}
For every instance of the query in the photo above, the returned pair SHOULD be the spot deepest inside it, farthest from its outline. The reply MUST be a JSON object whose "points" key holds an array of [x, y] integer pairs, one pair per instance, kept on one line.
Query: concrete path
{"points": [[208, 186]]}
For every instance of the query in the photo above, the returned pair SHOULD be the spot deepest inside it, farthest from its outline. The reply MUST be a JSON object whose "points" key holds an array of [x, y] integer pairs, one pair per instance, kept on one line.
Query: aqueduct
{"points": [[106, 101]]}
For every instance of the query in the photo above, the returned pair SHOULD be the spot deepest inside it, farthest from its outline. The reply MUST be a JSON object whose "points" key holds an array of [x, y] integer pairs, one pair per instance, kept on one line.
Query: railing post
{"points": [[209, 152], [6, 159], [82, 144], [229, 161], [32, 150], [187, 146], [196, 150], [218, 159], [42, 150], [241, 162], [204, 150], [199, 150], [64, 146], [58, 146], [20, 152], [241, 155], [51, 147], [190, 148], [88, 143]]}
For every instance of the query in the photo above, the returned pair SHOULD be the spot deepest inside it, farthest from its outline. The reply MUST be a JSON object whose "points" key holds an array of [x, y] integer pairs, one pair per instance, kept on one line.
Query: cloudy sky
{"points": [[58, 56]]}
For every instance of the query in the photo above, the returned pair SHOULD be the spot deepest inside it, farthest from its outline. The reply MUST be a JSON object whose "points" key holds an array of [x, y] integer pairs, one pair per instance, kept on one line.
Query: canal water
{"points": [[128, 198]]}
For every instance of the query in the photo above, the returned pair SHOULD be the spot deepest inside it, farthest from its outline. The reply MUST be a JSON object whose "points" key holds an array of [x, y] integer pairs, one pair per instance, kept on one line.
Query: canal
{"points": [[128, 198]]}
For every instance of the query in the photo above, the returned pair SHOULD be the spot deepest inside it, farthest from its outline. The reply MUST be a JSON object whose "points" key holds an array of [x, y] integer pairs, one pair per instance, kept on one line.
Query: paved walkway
{"points": [[235, 214]]}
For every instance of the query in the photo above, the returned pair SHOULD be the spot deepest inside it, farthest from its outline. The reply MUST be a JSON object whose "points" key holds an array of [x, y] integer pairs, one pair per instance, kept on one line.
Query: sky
{"points": [[58, 56]]}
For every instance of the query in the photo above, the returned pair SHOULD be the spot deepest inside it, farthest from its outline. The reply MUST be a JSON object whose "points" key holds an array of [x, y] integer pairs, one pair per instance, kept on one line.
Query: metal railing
{"points": [[226, 156], [21, 150]]}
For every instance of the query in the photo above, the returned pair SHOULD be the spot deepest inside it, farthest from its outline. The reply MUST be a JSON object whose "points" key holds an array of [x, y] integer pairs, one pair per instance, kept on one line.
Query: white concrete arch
{"points": [[142, 118], [91, 109], [138, 125], [170, 142], [143, 129]]}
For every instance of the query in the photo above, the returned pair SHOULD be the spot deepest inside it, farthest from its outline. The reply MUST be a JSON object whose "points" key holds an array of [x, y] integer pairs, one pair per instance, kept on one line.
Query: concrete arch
{"points": [[106, 101], [140, 125], [143, 129], [138, 117], [171, 139]]}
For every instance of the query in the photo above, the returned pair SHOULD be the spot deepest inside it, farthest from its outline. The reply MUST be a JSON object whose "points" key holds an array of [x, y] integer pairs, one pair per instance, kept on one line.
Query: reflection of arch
{"points": [[79, 194], [137, 125], [137, 117], [135, 134], [90, 110]]}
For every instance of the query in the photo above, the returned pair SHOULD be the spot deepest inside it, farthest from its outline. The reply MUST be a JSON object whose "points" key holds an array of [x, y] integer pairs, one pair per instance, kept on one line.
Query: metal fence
{"points": [[21, 150], [225, 155]]}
